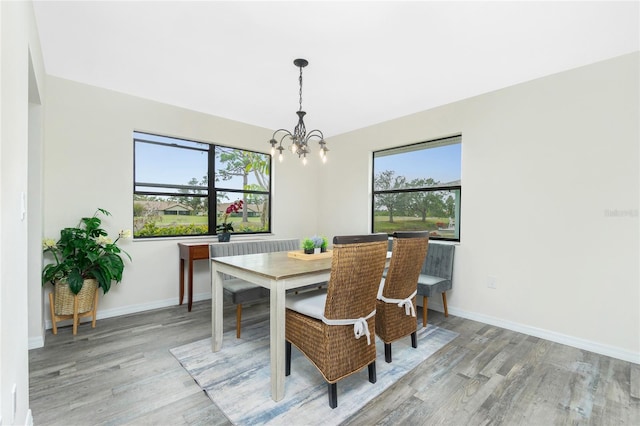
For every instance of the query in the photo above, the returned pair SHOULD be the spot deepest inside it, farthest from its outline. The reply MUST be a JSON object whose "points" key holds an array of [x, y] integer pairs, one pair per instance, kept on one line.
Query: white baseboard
{"points": [[576, 342], [35, 342], [552, 336]]}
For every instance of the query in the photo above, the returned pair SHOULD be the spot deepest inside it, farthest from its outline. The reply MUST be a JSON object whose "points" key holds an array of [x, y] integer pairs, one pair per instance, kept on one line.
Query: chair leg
{"points": [[444, 303], [414, 339], [333, 394], [287, 357], [372, 372], [387, 352], [425, 302], [238, 319]]}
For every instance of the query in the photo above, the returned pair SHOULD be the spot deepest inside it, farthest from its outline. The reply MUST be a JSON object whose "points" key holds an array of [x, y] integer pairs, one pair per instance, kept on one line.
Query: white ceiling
{"points": [[368, 61]]}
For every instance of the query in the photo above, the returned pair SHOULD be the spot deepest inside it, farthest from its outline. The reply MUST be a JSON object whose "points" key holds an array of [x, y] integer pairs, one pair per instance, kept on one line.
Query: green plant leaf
{"points": [[104, 281], [75, 281]]}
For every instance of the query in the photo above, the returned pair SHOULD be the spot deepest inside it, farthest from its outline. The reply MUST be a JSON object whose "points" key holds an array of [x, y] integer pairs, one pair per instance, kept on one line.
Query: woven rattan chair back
{"points": [[392, 322], [356, 269], [357, 265]]}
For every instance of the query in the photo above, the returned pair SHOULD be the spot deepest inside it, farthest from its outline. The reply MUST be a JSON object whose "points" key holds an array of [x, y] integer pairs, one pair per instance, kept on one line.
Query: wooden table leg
{"points": [[188, 254], [277, 340], [190, 296], [181, 280], [216, 309]]}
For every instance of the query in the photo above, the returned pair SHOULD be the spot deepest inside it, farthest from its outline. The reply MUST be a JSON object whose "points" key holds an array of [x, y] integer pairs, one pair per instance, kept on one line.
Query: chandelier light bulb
{"points": [[304, 160], [273, 150], [324, 159], [280, 156]]}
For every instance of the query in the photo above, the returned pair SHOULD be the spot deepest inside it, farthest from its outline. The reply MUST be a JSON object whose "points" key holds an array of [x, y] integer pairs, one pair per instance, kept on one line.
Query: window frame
{"points": [[210, 192], [426, 189]]}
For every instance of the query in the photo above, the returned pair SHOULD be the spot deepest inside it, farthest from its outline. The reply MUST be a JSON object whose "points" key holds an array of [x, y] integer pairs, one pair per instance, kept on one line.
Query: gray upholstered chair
{"points": [[436, 276], [396, 305], [238, 290], [335, 329]]}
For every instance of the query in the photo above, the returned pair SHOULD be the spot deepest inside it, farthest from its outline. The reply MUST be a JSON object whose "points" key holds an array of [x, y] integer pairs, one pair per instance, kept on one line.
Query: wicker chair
{"points": [[335, 329], [396, 305]]}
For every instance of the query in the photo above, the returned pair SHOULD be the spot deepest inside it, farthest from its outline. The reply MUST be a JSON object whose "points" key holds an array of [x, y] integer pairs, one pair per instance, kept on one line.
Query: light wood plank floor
{"points": [[122, 373]]}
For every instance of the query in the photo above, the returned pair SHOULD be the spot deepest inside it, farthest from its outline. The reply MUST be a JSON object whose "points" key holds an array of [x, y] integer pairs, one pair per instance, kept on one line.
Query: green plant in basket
{"points": [[85, 252]]}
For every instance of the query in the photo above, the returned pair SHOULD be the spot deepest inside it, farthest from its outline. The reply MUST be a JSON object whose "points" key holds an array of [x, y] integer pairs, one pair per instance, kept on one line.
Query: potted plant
{"points": [[225, 228], [314, 244], [317, 243], [85, 258], [308, 245]]}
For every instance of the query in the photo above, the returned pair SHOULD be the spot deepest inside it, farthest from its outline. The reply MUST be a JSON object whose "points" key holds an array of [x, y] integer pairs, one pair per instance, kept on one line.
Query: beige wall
{"points": [[89, 164], [543, 166]]}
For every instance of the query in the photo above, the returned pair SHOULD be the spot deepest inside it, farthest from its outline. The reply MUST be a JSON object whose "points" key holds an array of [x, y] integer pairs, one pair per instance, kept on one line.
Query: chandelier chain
{"points": [[300, 79]]}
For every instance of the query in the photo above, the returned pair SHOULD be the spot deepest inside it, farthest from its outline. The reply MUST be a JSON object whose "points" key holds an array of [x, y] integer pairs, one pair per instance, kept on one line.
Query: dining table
{"points": [[278, 272]]}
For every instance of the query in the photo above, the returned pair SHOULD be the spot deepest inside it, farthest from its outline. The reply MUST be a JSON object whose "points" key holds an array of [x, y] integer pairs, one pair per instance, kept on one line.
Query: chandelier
{"points": [[299, 138]]}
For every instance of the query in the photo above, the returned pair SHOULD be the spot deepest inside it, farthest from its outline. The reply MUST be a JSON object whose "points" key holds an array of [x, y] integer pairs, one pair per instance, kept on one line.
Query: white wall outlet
{"points": [[492, 282]]}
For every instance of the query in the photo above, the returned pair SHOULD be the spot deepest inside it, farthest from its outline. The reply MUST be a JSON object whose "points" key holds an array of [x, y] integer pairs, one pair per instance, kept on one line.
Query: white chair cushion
{"points": [[310, 303]]}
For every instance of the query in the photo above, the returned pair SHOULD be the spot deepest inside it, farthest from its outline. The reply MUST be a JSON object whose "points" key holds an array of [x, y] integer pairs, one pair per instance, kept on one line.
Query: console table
{"points": [[191, 252]]}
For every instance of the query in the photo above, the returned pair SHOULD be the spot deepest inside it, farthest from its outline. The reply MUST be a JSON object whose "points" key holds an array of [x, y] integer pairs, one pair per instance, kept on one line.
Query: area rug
{"points": [[237, 378]]}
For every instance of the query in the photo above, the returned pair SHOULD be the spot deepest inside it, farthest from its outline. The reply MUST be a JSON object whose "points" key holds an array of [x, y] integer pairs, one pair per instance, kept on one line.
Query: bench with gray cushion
{"points": [[237, 290], [436, 275]]}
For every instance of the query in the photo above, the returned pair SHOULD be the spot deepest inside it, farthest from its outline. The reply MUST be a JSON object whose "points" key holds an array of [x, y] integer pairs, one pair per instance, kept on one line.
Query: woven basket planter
{"points": [[64, 297]]}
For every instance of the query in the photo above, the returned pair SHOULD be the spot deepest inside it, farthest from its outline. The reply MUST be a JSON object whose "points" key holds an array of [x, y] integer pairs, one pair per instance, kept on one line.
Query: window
{"points": [[173, 195], [417, 188]]}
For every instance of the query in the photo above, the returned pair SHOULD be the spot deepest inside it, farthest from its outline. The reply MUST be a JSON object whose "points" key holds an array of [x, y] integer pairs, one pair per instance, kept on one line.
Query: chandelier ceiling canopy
{"points": [[299, 138]]}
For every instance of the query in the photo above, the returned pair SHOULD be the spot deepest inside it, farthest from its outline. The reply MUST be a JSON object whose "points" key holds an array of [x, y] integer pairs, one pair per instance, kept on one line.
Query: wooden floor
{"points": [[121, 373]]}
